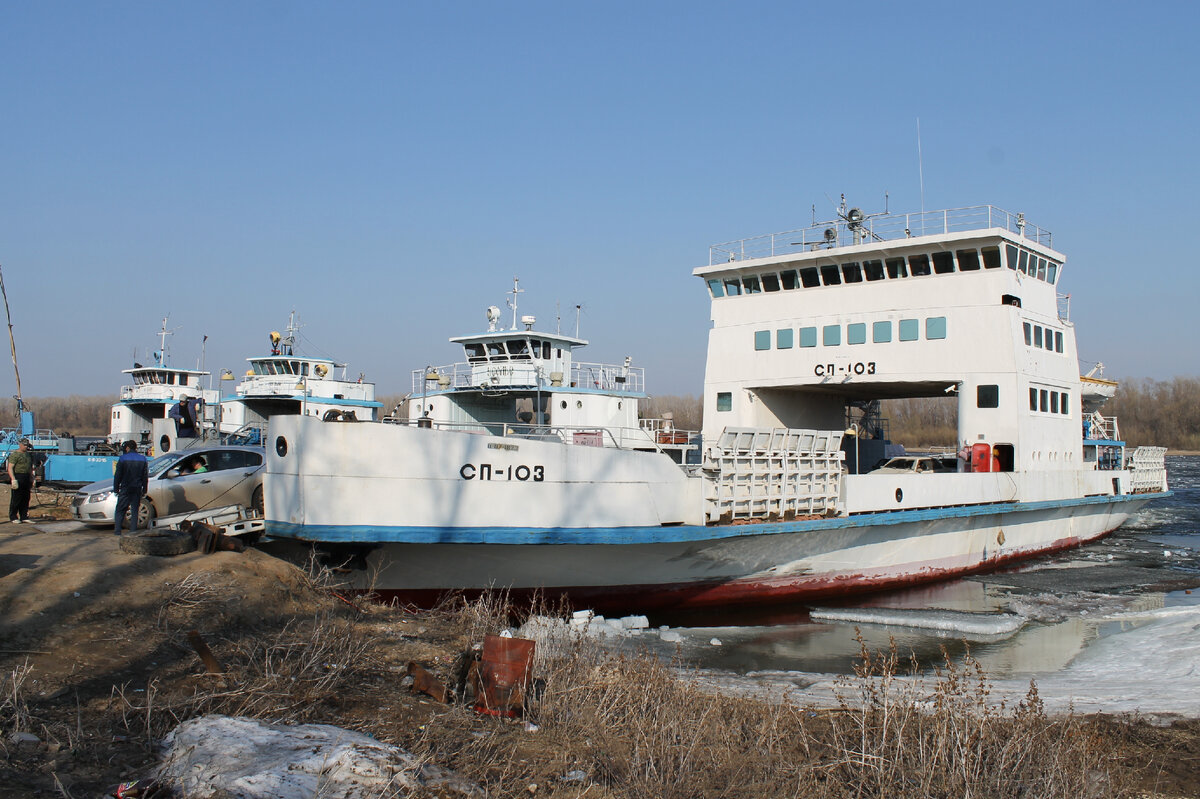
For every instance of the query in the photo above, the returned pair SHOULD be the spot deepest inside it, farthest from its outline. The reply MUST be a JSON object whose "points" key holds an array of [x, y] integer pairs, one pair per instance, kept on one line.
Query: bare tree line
{"points": [[1160, 412]]}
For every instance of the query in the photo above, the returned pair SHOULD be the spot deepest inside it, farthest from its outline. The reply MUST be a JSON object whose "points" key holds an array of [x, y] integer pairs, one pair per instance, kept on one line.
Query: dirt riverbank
{"points": [[97, 666]]}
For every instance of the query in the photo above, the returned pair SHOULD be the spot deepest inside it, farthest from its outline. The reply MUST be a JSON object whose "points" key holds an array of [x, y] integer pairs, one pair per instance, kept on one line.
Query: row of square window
{"points": [[1045, 338], [1029, 264], [937, 263], [1047, 401], [856, 333], [856, 272]]}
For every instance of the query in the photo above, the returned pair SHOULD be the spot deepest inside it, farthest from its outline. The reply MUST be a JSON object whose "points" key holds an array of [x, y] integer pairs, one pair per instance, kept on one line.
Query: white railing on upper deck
{"points": [[578, 436], [523, 374], [876, 228]]}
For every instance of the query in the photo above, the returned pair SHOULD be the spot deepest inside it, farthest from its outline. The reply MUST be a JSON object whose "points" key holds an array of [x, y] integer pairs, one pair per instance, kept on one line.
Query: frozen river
{"points": [[1110, 627]]}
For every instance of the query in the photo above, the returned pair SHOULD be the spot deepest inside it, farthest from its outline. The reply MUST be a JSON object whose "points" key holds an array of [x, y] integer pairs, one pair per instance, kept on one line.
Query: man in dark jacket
{"points": [[131, 481]]}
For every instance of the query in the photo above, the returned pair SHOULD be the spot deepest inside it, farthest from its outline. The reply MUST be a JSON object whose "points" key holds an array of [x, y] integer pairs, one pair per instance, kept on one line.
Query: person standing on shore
{"points": [[131, 481], [20, 475]]}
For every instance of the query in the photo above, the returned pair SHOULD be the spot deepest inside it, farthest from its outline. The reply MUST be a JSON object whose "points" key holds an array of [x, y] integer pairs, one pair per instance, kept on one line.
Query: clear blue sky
{"points": [[385, 168]]}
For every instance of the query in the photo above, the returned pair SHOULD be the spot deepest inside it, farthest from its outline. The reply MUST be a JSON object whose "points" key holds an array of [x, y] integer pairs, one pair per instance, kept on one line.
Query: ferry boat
{"points": [[155, 391], [526, 470], [286, 383]]}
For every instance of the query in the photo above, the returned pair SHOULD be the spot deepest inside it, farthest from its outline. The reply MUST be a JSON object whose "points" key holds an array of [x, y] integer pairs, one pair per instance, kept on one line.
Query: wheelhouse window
{"points": [[943, 263], [918, 265], [496, 351], [991, 257], [1023, 262], [519, 349], [873, 270], [1028, 334], [852, 272], [715, 288], [809, 277], [732, 287], [789, 279], [1037, 335], [830, 275], [474, 353], [1011, 250], [968, 260], [751, 285], [1051, 272], [896, 268], [770, 282], [1058, 341]]}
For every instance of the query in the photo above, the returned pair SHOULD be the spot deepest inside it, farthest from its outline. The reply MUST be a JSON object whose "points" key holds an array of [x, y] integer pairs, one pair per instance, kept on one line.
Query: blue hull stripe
{"points": [[664, 535]]}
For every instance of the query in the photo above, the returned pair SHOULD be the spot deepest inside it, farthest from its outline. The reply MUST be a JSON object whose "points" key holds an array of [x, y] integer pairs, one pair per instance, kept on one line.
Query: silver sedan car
{"points": [[232, 476]]}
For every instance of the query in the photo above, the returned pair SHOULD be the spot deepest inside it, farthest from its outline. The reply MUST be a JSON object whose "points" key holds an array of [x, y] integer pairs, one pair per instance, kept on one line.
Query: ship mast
{"points": [[12, 342]]}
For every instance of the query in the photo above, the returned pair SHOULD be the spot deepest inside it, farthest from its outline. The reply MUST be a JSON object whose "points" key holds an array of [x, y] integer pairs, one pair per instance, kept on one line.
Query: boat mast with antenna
{"points": [[12, 342]]}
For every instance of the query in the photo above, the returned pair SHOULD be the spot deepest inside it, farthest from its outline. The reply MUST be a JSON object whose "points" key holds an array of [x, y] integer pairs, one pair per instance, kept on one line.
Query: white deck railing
{"points": [[875, 228], [525, 374]]}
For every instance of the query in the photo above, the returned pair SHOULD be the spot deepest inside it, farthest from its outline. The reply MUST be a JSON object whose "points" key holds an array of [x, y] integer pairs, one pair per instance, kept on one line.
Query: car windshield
{"points": [[162, 463], [899, 463]]}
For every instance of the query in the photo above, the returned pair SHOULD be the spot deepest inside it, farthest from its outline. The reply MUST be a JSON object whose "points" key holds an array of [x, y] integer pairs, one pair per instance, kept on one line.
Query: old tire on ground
{"points": [[157, 543]]}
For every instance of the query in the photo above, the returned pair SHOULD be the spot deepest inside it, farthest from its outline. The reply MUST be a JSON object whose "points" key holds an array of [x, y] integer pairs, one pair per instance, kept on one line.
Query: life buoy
{"points": [[320, 370]]}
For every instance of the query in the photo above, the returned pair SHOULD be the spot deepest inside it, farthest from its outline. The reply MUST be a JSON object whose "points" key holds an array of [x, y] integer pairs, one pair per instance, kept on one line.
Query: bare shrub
{"points": [[900, 738], [14, 709]]}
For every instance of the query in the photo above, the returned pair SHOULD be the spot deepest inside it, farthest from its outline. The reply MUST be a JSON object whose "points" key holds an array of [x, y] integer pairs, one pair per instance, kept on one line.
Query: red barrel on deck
{"points": [[981, 458]]}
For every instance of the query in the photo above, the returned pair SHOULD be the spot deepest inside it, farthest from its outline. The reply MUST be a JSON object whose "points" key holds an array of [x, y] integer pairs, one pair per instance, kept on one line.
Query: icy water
{"points": [[1111, 626]]}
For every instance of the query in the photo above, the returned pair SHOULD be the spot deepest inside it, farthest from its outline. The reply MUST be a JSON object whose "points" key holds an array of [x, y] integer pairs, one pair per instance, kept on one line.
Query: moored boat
{"points": [[285, 382], [526, 470]]}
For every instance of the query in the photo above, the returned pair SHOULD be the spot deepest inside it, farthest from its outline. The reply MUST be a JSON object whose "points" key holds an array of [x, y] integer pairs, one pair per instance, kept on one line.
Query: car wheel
{"points": [[157, 543], [145, 515], [256, 501]]}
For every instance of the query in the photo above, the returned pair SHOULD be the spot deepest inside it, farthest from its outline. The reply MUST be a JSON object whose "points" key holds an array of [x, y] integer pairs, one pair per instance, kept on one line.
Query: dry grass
{"points": [[607, 725], [621, 726]]}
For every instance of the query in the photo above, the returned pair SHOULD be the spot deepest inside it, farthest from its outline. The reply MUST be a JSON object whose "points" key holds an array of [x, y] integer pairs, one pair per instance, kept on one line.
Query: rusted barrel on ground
{"points": [[504, 675]]}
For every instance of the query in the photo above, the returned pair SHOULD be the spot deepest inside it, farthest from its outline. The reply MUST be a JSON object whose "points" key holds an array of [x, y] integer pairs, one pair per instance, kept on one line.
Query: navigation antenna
{"points": [[856, 221], [513, 302], [12, 342], [578, 308], [161, 355]]}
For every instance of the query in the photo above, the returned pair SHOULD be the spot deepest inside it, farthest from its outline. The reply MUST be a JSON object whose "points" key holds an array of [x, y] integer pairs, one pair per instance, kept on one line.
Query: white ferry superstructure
{"points": [[522, 469], [155, 390], [285, 383]]}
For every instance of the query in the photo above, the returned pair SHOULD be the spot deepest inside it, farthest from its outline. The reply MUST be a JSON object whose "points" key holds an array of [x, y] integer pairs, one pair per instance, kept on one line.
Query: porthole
{"points": [[899, 495], [164, 444], [281, 446], [578, 403], [618, 405], [564, 404]]}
